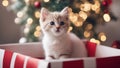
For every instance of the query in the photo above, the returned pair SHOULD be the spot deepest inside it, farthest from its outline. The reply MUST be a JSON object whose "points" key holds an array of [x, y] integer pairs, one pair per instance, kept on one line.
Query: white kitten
{"points": [[57, 42]]}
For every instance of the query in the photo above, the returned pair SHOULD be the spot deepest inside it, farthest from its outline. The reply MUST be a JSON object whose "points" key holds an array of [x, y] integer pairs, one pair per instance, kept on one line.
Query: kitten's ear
{"points": [[65, 11], [44, 14]]}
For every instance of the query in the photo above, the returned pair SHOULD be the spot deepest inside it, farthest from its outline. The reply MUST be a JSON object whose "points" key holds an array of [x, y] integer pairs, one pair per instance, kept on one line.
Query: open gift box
{"points": [[30, 55]]}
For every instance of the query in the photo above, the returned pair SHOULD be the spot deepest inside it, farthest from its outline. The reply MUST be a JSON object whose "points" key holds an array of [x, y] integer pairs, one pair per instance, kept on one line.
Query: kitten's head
{"points": [[55, 23]]}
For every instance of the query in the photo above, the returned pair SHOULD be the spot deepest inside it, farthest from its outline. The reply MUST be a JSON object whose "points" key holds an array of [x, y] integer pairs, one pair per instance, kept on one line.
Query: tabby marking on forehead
{"points": [[56, 16]]}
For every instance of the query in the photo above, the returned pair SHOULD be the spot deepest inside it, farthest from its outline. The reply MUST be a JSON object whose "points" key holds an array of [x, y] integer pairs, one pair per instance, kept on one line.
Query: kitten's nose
{"points": [[58, 27]]}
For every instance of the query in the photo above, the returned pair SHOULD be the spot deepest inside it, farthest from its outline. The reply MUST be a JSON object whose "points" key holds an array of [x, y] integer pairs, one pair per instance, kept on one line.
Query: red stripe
{"points": [[49, 65], [7, 59], [19, 62], [32, 63], [73, 64], [91, 47], [111, 62]]}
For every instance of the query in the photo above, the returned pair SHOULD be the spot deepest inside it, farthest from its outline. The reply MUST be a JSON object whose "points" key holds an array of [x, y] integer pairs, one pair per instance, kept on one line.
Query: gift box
{"points": [[31, 55]]}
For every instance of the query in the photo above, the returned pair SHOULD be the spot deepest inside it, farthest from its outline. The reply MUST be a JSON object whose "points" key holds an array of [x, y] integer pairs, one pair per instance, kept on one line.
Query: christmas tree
{"points": [[85, 15]]}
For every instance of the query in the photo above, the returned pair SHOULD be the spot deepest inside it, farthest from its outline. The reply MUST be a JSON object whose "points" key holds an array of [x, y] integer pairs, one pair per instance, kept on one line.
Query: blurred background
{"points": [[9, 31], [12, 32]]}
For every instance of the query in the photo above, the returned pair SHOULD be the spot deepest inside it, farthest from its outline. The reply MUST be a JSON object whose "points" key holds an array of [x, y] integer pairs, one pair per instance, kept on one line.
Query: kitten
{"points": [[57, 42]]}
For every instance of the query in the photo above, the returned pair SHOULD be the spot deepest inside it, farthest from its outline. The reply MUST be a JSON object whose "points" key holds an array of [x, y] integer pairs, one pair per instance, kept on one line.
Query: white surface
{"points": [[25, 62], [31, 49], [104, 51], [90, 63], [43, 64], [56, 65], [13, 60], [1, 57]]}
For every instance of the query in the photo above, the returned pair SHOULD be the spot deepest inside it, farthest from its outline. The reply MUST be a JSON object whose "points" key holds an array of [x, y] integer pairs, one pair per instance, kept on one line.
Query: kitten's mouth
{"points": [[57, 30]]}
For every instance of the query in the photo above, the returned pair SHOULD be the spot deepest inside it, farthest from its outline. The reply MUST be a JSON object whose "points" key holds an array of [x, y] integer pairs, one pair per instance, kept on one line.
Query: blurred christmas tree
{"points": [[85, 15]]}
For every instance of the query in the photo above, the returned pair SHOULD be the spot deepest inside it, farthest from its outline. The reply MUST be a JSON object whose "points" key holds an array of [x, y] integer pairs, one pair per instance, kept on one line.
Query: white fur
{"points": [[56, 46], [67, 44], [60, 44]]}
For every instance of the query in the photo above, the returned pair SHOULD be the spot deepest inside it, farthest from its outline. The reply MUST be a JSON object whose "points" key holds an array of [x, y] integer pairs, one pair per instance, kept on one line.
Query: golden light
{"points": [[17, 20], [106, 17], [100, 34], [70, 9], [46, 0], [29, 21], [37, 14], [93, 40], [26, 1], [26, 30], [78, 23], [37, 33], [96, 6], [96, 9], [5, 3], [83, 15], [85, 7], [70, 29], [20, 14], [38, 28], [98, 42], [103, 38], [73, 17], [87, 34], [22, 40], [89, 27]]}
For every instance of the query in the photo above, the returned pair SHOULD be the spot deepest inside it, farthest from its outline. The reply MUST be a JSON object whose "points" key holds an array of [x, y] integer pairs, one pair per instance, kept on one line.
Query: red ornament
{"points": [[106, 3], [116, 44], [37, 4], [109, 2]]}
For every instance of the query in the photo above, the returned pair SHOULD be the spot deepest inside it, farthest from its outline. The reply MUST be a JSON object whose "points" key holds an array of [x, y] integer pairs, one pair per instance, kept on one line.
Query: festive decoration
{"points": [[5, 3], [37, 4], [23, 40], [116, 44], [102, 57], [84, 16]]}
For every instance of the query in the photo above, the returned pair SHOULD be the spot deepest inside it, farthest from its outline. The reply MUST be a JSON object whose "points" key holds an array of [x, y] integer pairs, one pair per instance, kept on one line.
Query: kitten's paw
{"points": [[64, 56], [49, 58]]}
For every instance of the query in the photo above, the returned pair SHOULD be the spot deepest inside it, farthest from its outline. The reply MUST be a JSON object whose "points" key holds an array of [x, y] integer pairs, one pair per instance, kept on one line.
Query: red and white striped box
{"points": [[26, 56]]}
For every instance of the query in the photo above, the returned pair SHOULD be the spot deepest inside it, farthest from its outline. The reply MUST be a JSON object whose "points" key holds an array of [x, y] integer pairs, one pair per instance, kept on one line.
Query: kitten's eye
{"points": [[52, 23], [62, 23]]}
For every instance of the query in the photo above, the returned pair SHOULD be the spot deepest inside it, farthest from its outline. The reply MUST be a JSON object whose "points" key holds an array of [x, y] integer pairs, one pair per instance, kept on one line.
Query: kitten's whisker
{"points": [[45, 25]]}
